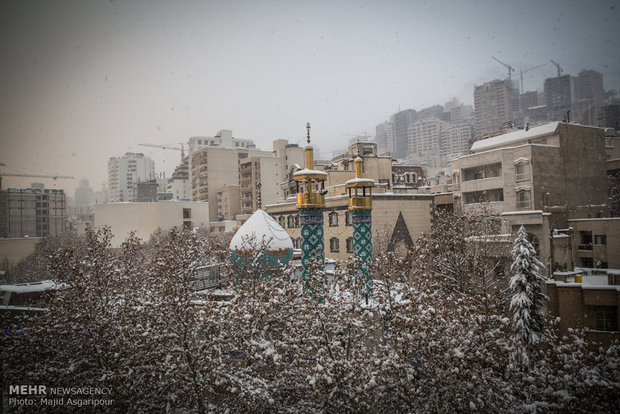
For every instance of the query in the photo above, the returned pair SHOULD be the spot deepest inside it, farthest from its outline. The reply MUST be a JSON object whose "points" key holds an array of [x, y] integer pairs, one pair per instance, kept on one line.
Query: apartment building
{"points": [[124, 173], [400, 122], [178, 184], [228, 202], [595, 242], [538, 177], [214, 168], [384, 135], [559, 97], [33, 212], [259, 175], [493, 105], [425, 137]]}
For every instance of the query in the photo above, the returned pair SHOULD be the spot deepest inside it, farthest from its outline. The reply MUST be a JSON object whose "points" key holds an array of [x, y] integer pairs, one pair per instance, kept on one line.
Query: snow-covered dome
{"points": [[262, 232], [258, 229]]}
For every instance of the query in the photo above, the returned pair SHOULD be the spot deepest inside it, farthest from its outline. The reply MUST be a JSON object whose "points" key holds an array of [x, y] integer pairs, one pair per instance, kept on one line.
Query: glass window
{"points": [[333, 219], [334, 245], [348, 217], [605, 319], [350, 245], [187, 213], [600, 239]]}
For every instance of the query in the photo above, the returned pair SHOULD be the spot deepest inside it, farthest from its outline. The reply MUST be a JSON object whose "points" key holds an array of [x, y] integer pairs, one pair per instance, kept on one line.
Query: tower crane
{"points": [[55, 177], [510, 68], [169, 146], [557, 65], [527, 70]]}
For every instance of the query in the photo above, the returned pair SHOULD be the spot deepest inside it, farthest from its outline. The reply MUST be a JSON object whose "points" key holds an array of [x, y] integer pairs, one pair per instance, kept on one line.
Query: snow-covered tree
{"points": [[527, 298]]}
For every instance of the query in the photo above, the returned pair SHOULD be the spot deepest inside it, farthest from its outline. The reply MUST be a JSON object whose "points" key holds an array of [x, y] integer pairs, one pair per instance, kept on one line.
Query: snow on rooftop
{"points": [[31, 287], [306, 171], [514, 136], [258, 229], [368, 181]]}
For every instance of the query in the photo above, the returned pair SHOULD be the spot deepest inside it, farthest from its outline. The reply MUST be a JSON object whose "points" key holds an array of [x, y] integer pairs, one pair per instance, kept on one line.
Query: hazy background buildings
{"points": [[87, 81]]}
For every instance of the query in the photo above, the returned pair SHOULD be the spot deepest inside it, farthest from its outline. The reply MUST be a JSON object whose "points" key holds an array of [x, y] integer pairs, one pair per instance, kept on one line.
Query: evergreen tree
{"points": [[527, 297]]}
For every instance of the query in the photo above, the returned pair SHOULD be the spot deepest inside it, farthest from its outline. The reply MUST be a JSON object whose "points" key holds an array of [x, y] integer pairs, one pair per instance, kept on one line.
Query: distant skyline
{"points": [[83, 81]]}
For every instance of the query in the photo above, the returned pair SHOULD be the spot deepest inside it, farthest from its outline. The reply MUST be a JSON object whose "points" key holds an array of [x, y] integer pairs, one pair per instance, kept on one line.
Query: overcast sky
{"points": [[86, 80]]}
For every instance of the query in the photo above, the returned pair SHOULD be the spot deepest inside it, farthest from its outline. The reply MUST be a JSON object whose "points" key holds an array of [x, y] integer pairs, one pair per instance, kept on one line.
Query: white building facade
{"points": [[124, 174]]}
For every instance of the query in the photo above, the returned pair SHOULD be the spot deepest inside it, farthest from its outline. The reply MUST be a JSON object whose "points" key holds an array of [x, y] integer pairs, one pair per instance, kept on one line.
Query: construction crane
{"points": [[510, 68], [55, 177], [169, 146], [527, 70], [557, 65]]}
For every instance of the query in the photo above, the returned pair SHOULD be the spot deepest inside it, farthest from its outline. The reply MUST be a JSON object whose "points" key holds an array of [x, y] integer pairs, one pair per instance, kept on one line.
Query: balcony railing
{"points": [[586, 246], [482, 184], [524, 204]]}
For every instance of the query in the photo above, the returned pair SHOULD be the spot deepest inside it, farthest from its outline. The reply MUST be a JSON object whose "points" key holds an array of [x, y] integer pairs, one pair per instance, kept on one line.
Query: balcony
{"points": [[481, 184], [585, 247]]}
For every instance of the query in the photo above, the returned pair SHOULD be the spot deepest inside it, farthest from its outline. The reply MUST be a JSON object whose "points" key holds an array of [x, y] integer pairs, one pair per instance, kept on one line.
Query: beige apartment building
{"points": [[260, 174], [214, 168], [228, 202], [539, 177]]}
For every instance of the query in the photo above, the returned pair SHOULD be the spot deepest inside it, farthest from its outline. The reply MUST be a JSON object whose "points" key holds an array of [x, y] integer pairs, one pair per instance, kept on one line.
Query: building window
{"points": [[334, 245], [299, 242], [350, 245], [523, 199], [281, 221], [296, 219], [187, 225], [586, 240], [333, 219], [187, 213], [521, 172], [348, 218], [605, 318], [290, 222], [600, 239]]}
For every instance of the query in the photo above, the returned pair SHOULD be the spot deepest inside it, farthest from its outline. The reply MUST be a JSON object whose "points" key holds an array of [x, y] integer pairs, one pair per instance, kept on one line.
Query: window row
{"points": [[292, 221], [334, 245]]}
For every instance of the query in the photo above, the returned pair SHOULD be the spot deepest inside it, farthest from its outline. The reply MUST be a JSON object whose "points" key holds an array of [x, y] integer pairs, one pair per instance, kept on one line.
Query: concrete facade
{"points": [[414, 210], [145, 218], [592, 304], [214, 168], [493, 107], [124, 173], [541, 177], [228, 202], [596, 242], [13, 251], [33, 212]]}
